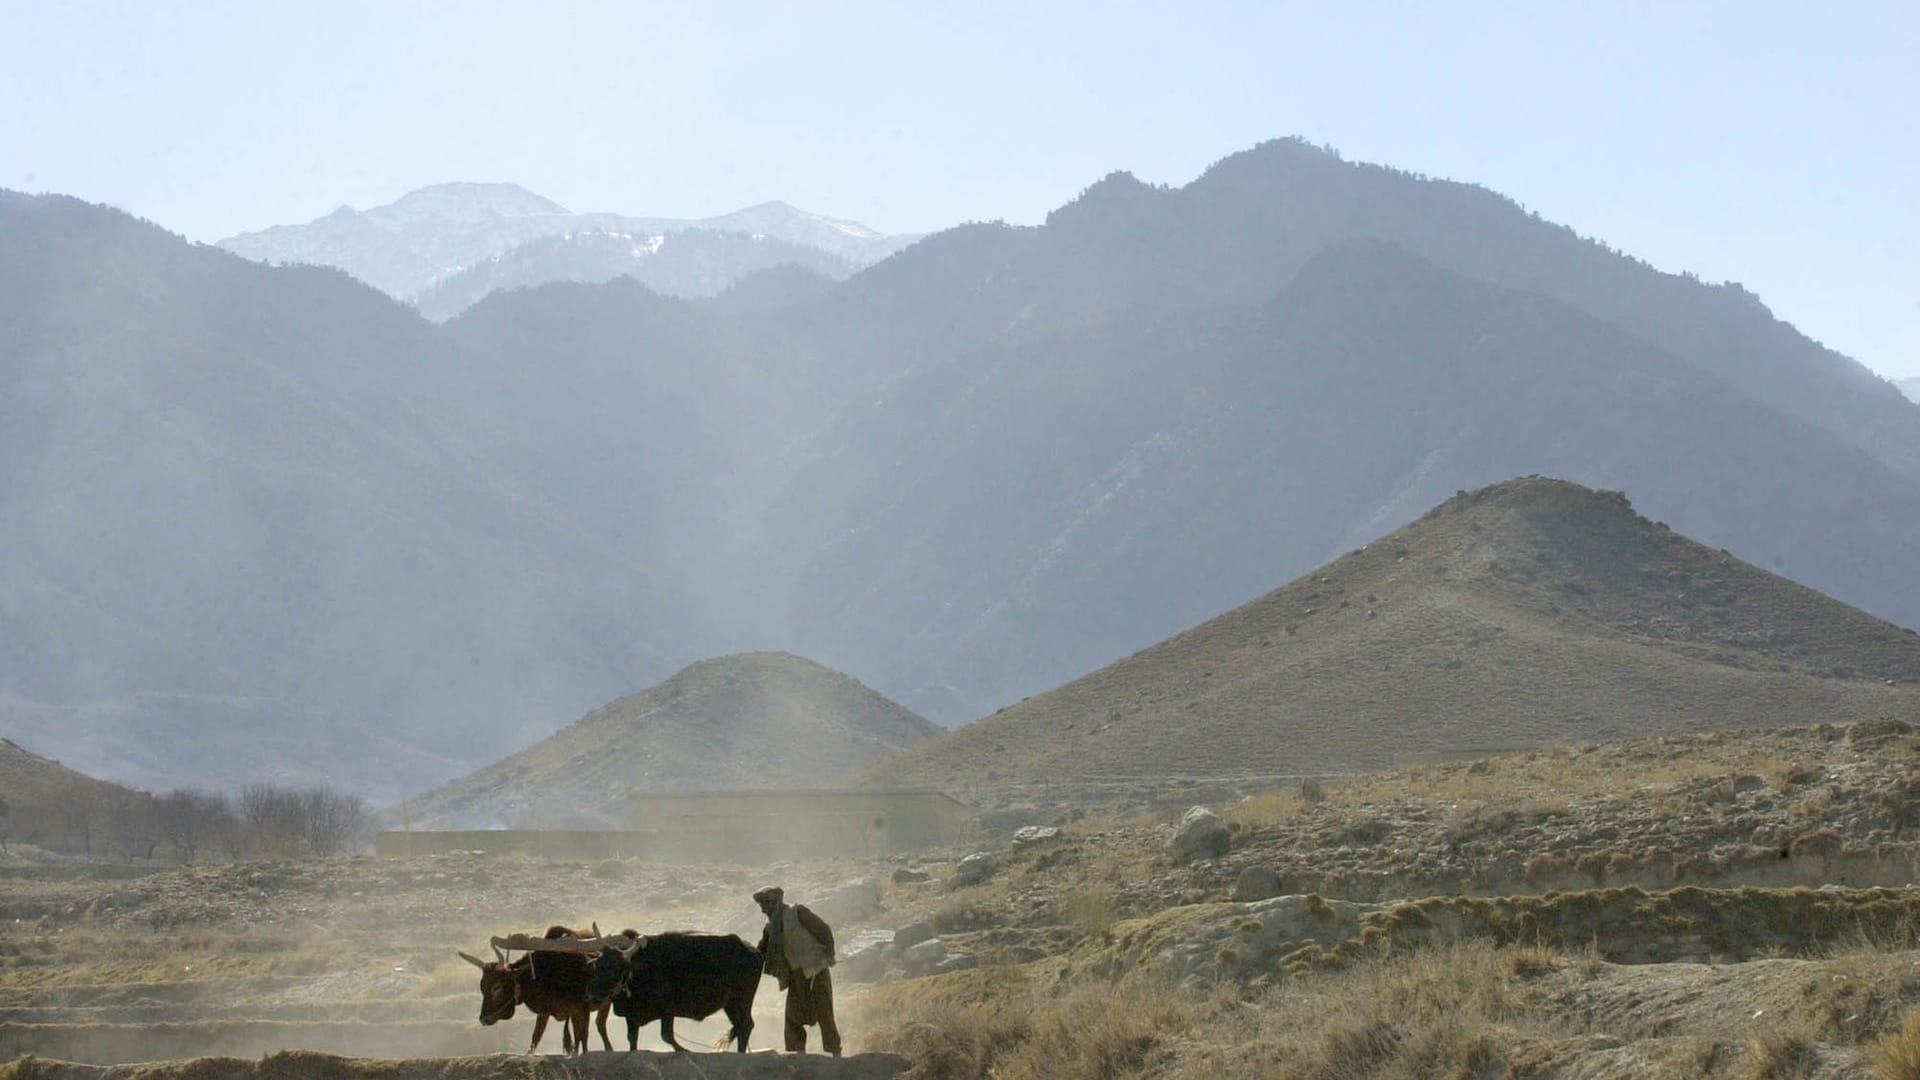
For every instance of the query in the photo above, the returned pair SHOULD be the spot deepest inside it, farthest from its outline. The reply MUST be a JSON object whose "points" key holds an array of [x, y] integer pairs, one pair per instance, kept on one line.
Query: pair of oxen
{"points": [[570, 976]]}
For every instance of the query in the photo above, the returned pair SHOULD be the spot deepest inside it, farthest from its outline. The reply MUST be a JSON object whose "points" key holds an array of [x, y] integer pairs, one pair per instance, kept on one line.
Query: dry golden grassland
{"points": [[1471, 1009], [1102, 955]]}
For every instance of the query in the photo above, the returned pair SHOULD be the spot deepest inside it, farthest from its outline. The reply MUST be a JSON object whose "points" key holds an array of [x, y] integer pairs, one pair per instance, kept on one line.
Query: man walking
{"points": [[798, 950]]}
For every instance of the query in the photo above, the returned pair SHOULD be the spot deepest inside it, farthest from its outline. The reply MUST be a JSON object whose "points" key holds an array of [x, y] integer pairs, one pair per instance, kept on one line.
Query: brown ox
{"points": [[550, 984]]}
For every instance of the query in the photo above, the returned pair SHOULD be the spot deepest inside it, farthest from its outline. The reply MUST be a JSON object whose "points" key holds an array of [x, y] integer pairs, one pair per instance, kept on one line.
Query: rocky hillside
{"points": [[756, 721], [1523, 614]]}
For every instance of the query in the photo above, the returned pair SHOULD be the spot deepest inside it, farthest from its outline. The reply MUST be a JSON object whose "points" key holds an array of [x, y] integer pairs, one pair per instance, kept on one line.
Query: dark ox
{"points": [[549, 984], [680, 974]]}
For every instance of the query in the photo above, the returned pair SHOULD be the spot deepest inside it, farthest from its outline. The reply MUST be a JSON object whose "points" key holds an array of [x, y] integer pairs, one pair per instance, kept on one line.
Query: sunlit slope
{"points": [[1519, 614], [749, 721]]}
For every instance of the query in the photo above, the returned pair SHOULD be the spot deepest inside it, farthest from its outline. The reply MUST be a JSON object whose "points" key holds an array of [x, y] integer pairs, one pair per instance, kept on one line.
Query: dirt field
{"points": [[1715, 906]]}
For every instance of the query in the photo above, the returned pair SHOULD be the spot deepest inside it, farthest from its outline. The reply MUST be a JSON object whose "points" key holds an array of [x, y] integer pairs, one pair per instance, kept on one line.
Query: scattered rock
{"points": [[973, 870], [913, 934], [1201, 835], [1035, 834], [1256, 883], [865, 958], [956, 963], [850, 901], [925, 956]]}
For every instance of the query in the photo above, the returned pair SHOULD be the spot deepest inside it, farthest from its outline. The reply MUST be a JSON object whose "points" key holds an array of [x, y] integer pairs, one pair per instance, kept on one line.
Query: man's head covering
{"points": [[771, 892]]}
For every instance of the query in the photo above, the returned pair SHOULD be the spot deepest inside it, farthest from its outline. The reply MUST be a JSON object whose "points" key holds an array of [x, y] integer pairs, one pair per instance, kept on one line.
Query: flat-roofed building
{"points": [[729, 827], [734, 826]]}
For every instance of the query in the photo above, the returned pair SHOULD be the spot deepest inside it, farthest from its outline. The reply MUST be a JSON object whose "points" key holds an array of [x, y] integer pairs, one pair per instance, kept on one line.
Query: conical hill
{"points": [[767, 721], [1520, 614]]}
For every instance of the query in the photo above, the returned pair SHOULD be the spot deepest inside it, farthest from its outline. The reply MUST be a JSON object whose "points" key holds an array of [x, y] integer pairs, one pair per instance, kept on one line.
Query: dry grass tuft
{"points": [[1092, 910], [1896, 1055], [1778, 1054], [1441, 1012], [1024, 1032], [1525, 961]]}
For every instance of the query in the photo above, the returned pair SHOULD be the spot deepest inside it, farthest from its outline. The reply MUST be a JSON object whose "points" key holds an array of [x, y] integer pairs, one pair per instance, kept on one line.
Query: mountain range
{"points": [[272, 507], [442, 248], [1909, 387]]}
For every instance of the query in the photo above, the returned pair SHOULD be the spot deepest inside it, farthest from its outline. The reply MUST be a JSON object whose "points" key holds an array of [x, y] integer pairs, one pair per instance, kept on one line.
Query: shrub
{"points": [[1093, 912]]}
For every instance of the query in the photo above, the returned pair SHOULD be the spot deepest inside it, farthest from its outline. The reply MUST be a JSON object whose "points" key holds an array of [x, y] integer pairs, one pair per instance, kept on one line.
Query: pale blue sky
{"points": [[1768, 143]]}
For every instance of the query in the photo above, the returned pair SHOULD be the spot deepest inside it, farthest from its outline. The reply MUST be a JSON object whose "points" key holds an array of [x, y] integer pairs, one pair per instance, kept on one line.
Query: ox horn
{"points": [[498, 953], [474, 960]]}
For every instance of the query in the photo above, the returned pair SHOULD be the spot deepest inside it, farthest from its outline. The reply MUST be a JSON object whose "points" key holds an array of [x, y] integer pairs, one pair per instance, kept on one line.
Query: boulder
{"points": [[1202, 835], [1035, 834], [925, 956], [1256, 883], [913, 934], [865, 958], [956, 963], [973, 870]]}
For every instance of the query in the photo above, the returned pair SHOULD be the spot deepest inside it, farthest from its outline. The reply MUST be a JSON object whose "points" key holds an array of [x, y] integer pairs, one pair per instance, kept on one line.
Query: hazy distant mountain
{"points": [[273, 506], [443, 247], [1528, 613], [1052, 498], [760, 721], [248, 536], [1909, 387], [688, 263]]}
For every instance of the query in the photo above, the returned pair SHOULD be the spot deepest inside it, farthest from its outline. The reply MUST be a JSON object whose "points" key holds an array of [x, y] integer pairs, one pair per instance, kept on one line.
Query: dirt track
{"points": [[620, 1065]]}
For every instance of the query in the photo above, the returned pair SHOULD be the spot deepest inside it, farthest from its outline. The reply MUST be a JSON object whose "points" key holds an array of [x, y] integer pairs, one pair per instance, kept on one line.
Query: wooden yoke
{"points": [[589, 946]]}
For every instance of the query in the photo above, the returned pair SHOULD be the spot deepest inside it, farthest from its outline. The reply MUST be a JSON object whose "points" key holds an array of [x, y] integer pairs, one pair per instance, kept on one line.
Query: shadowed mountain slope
{"points": [[1519, 614], [756, 721], [1242, 230], [239, 510], [1069, 498]]}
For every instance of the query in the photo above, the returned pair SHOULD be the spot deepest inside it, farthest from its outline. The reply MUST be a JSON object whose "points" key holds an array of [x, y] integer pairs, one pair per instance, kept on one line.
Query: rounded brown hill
{"points": [[751, 721], [38, 795], [1520, 614]]}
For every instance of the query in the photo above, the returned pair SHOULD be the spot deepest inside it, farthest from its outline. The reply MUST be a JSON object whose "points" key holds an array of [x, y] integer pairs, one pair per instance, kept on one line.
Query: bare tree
{"points": [[274, 818], [318, 820], [192, 819], [334, 821], [78, 809], [132, 825]]}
